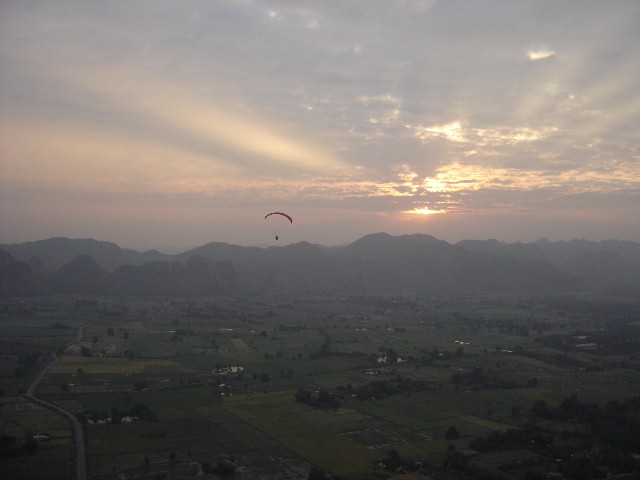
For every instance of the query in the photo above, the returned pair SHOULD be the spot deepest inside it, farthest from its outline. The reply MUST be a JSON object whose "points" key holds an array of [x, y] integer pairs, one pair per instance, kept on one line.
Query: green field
{"points": [[119, 366], [223, 387], [20, 418]]}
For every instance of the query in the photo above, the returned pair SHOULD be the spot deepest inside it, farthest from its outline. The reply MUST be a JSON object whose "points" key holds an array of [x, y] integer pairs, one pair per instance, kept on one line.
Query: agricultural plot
{"points": [[407, 382], [186, 436], [54, 456], [26, 344], [309, 433], [119, 366]]}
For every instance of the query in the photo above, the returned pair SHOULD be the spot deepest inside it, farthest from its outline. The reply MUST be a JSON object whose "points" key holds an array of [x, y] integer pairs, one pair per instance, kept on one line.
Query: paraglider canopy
{"points": [[279, 213]]}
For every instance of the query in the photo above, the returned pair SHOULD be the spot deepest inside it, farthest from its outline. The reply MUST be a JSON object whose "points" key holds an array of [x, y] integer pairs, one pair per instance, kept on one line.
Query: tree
{"points": [[454, 460], [29, 446], [540, 409], [452, 433], [392, 355], [139, 385], [570, 406], [316, 474], [303, 395], [394, 455], [225, 468]]}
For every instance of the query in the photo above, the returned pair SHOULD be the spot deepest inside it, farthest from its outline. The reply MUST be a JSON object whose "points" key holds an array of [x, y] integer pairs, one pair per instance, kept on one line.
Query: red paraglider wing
{"points": [[279, 213]]}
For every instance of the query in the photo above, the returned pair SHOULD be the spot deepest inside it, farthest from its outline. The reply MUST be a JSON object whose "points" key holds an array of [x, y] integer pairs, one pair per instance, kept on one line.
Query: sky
{"points": [[171, 124]]}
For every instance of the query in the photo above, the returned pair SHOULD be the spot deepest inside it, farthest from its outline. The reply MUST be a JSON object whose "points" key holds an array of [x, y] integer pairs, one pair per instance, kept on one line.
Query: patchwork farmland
{"points": [[310, 387]]}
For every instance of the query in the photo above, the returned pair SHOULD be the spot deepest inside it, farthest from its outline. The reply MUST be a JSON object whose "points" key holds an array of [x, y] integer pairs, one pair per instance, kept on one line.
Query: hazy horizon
{"points": [[174, 250], [170, 125]]}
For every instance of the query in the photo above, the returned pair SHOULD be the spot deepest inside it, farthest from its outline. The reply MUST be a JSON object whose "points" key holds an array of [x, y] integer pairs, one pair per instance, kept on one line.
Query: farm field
{"points": [[345, 387], [21, 418]]}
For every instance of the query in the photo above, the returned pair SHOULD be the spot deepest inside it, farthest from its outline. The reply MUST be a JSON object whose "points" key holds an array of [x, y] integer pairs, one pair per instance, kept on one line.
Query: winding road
{"points": [[81, 468]]}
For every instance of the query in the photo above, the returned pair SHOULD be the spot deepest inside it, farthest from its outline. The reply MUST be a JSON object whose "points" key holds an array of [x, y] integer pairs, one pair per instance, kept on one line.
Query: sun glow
{"points": [[425, 211]]}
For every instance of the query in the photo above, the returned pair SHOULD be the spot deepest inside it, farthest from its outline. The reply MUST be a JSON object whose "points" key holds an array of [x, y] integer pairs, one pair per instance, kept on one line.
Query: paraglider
{"points": [[276, 236]]}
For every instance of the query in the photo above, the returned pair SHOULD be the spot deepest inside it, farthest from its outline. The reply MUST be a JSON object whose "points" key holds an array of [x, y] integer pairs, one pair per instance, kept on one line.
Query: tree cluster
{"points": [[614, 339], [385, 388], [225, 467], [616, 424], [25, 362], [139, 411], [318, 399], [11, 447], [608, 448], [477, 379], [512, 439]]}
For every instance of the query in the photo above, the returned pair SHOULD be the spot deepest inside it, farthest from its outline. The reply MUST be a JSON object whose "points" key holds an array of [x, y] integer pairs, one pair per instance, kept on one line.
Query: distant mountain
{"points": [[218, 251], [57, 251], [80, 275], [36, 265], [421, 263], [16, 277], [607, 265], [377, 263], [198, 276]]}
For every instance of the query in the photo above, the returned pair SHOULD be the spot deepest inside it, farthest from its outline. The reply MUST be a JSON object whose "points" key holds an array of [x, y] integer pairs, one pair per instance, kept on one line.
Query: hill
{"points": [[377, 263], [57, 251]]}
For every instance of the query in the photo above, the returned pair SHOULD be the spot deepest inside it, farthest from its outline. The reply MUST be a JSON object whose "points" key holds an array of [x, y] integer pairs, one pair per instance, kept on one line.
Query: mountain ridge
{"points": [[375, 263]]}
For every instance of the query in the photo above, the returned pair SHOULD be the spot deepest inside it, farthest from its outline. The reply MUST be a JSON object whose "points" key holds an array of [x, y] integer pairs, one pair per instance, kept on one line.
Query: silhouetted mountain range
{"points": [[377, 263]]}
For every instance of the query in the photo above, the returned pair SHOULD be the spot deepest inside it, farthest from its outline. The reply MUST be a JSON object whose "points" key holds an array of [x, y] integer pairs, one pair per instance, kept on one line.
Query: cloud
{"points": [[540, 54], [469, 177], [449, 131], [410, 106], [498, 136]]}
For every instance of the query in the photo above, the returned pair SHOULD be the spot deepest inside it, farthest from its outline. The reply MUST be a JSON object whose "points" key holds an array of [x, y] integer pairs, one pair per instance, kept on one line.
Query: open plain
{"points": [[343, 386]]}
